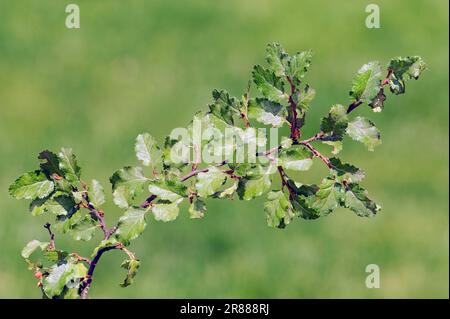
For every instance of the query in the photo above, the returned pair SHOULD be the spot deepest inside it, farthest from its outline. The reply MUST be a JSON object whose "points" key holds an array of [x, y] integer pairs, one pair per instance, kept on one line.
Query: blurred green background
{"points": [[139, 66]]}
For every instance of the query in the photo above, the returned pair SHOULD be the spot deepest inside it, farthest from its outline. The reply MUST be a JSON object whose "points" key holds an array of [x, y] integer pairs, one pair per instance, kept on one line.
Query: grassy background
{"points": [[149, 65]]}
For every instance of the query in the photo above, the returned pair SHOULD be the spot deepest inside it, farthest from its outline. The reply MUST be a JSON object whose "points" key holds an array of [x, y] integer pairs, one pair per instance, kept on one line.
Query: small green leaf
{"points": [[306, 97], [367, 82], [357, 200], [298, 65], [132, 266], [337, 146], [127, 183], [31, 185], [296, 158], [32, 246], [224, 106], [327, 198], [404, 68], [97, 194], [249, 188], [335, 123], [84, 229], [161, 191], [62, 275], [110, 242], [197, 209], [68, 165], [131, 225], [166, 212], [279, 210], [364, 131], [49, 163], [147, 150], [346, 172], [209, 182], [270, 85], [267, 112]]}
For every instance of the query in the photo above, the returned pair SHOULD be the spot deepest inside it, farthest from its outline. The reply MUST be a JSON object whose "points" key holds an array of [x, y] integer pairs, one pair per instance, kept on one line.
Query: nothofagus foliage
{"points": [[160, 185]]}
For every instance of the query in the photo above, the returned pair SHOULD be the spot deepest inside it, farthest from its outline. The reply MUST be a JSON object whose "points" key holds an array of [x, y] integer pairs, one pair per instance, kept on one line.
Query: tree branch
{"points": [[295, 132]]}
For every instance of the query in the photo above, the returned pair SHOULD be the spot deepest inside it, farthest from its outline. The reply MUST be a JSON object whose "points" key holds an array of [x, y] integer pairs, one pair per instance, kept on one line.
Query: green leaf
{"points": [[56, 256], [296, 158], [209, 182], [197, 209], [131, 225], [364, 131], [97, 194], [49, 163], [267, 112], [346, 172], [279, 210], [249, 188], [127, 183], [166, 212], [224, 106], [163, 190], [327, 198], [298, 65], [404, 68], [132, 266], [57, 205], [62, 275], [306, 97], [357, 200], [31, 185], [283, 65], [270, 85], [31, 247], [335, 123], [68, 165], [84, 229], [366, 83], [147, 150]]}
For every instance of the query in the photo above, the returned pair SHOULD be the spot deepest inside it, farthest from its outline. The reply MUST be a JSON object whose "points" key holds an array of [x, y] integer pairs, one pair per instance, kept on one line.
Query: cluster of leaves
{"points": [[161, 184]]}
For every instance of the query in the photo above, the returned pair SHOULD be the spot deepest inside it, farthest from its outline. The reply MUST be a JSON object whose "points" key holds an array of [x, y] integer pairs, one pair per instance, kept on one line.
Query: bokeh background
{"points": [[139, 66]]}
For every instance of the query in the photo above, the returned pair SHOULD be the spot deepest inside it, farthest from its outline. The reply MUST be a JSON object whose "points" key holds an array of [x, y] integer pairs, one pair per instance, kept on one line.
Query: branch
{"points": [[295, 132], [357, 103], [204, 170], [284, 183], [52, 237], [84, 288], [316, 153]]}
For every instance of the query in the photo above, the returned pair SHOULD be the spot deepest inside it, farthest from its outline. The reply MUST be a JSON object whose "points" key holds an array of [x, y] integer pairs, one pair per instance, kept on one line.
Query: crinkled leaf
{"points": [[97, 194], [147, 150], [69, 166], [32, 246], [131, 224], [279, 210], [197, 209], [49, 163], [364, 131], [270, 86], [356, 198], [347, 172], [327, 198], [127, 183], [224, 106], [296, 158], [132, 266], [366, 83], [61, 275], [305, 98], [252, 188], [166, 212], [266, 112], [84, 229], [208, 183], [31, 185], [404, 68], [335, 123]]}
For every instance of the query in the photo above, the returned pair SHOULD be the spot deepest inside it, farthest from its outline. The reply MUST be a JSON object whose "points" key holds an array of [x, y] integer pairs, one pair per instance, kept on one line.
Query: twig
{"points": [[204, 170], [51, 246], [316, 153], [295, 132]]}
